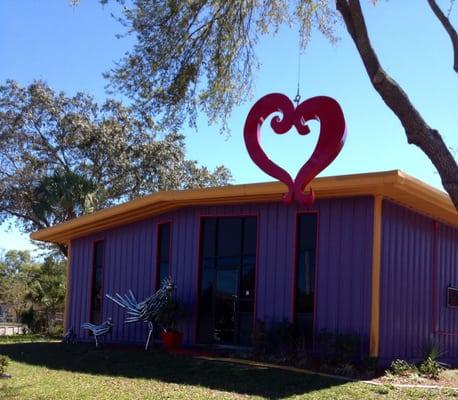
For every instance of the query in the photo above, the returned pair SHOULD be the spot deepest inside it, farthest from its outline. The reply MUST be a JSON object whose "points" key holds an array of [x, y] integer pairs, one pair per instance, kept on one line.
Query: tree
{"points": [[47, 288], [199, 55], [12, 262], [61, 156], [34, 288], [15, 268], [417, 130]]}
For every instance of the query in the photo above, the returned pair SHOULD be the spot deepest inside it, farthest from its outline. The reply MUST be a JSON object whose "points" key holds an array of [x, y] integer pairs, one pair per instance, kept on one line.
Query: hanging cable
{"points": [[297, 99], [450, 8]]}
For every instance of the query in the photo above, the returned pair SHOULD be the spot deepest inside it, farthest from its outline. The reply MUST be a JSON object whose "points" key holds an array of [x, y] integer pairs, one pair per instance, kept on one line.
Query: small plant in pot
{"points": [[172, 313]]}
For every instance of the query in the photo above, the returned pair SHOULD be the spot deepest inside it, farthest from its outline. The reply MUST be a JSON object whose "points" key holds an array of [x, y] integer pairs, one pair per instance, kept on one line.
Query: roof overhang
{"points": [[394, 185]]}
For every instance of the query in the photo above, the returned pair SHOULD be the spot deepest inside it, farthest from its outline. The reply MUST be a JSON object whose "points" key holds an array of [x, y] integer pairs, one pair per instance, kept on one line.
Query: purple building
{"points": [[375, 255]]}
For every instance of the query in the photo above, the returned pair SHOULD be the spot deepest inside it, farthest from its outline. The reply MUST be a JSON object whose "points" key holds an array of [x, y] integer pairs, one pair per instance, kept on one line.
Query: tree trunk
{"points": [[418, 132]]}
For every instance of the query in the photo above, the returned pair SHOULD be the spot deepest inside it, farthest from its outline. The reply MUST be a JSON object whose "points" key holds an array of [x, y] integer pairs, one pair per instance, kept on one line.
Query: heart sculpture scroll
{"points": [[331, 139]]}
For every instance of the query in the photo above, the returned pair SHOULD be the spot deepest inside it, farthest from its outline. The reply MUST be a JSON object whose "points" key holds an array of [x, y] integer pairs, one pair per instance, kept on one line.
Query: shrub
{"points": [[336, 348], [260, 338], [368, 367], [433, 351], [346, 369], [370, 364], [402, 368], [34, 320], [430, 368], [283, 338], [4, 361], [55, 330], [286, 342], [171, 314]]}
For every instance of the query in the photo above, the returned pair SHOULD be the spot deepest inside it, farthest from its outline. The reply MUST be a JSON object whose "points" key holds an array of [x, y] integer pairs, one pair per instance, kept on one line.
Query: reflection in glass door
{"points": [[226, 305], [227, 280]]}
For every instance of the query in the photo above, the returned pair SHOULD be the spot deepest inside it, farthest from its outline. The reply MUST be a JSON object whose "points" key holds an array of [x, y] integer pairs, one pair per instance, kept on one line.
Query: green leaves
{"points": [[15, 267], [64, 195], [62, 157], [193, 56], [27, 284]]}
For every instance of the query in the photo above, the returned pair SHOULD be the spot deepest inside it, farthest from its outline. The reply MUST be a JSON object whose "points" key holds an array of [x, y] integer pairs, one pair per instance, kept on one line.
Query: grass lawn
{"points": [[44, 369]]}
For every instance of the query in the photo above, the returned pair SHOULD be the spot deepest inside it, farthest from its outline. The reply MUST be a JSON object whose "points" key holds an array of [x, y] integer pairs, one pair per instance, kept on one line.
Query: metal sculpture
{"points": [[331, 139], [147, 310], [69, 337], [99, 330]]}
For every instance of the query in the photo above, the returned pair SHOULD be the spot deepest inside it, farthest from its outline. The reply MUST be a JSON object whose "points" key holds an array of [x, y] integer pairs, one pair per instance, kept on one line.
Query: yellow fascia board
{"points": [[394, 185]]}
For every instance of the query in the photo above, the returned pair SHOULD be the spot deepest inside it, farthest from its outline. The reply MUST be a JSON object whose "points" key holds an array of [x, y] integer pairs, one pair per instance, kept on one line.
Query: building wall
{"points": [[419, 260], [343, 267], [445, 273]]}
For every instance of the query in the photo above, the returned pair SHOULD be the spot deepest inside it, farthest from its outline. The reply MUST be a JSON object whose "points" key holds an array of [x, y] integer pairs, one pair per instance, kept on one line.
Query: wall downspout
{"points": [[376, 266]]}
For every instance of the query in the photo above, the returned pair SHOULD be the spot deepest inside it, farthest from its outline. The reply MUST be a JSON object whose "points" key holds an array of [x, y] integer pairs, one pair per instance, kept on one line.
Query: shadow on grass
{"points": [[157, 365]]}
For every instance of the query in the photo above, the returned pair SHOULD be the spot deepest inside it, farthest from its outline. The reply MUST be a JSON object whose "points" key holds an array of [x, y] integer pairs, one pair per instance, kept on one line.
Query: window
{"points": [[163, 253], [305, 269], [97, 282], [452, 296]]}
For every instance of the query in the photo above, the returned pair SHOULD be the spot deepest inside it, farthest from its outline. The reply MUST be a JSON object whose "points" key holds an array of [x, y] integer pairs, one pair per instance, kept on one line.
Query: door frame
{"points": [[198, 258]]}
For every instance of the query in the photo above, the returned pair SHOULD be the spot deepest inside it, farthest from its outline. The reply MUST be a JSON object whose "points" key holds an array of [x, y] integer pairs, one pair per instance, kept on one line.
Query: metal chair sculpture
{"points": [[147, 310], [69, 337], [99, 330]]}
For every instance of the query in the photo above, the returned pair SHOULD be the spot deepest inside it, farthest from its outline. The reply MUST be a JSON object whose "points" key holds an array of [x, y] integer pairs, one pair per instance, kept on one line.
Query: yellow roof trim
{"points": [[394, 185]]}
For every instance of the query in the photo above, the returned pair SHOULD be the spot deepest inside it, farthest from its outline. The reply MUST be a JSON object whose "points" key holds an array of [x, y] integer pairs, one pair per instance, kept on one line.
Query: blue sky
{"points": [[70, 48]]}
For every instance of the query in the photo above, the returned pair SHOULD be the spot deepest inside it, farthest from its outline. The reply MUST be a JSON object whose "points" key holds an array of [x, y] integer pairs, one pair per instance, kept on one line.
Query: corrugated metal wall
{"points": [[344, 265], [411, 253], [446, 318]]}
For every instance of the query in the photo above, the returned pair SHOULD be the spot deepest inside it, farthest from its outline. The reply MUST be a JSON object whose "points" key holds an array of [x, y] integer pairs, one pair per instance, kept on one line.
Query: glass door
{"points": [[227, 280], [226, 296]]}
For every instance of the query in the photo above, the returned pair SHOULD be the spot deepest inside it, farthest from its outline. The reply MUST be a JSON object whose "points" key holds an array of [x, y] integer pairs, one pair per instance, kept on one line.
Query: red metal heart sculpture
{"points": [[332, 137]]}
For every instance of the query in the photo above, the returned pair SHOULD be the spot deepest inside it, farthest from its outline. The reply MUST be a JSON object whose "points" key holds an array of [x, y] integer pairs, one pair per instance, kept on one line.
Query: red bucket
{"points": [[171, 340]]}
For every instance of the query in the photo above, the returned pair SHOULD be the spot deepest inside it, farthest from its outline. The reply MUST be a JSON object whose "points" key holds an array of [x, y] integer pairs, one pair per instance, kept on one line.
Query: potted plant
{"points": [[172, 312]]}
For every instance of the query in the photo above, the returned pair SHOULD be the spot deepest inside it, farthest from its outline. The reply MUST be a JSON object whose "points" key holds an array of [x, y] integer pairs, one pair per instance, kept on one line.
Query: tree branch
{"points": [[418, 132], [445, 21], [38, 223], [45, 143]]}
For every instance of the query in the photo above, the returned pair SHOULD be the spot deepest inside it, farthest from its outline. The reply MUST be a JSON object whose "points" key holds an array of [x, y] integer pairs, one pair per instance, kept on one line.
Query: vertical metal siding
{"points": [[407, 244], [79, 291], [447, 275], [343, 265], [407, 285]]}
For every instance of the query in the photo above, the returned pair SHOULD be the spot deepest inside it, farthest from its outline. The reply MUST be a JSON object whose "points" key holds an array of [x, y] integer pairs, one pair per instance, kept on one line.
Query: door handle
{"points": [[235, 297]]}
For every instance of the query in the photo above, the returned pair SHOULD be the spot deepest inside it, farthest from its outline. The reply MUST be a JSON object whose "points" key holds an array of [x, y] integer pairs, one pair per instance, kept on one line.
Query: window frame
{"points": [[296, 266], [450, 289], [92, 280], [157, 282], [198, 263]]}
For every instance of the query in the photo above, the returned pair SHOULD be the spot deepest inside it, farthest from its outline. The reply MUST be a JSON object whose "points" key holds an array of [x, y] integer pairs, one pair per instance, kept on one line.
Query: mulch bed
{"points": [[448, 378]]}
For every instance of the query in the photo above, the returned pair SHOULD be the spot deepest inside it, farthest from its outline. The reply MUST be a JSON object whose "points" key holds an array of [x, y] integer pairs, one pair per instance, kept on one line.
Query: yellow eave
{"points": [[394, 185]]}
